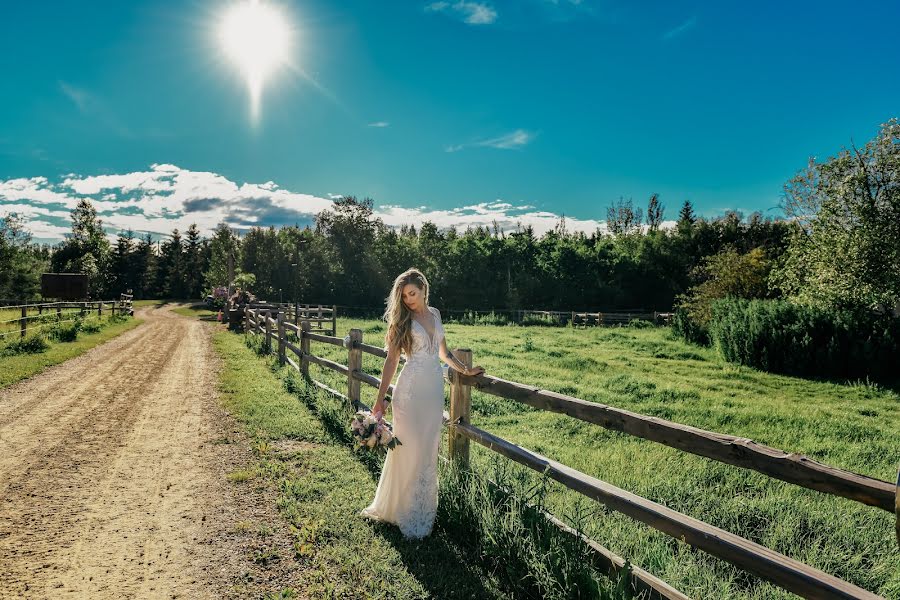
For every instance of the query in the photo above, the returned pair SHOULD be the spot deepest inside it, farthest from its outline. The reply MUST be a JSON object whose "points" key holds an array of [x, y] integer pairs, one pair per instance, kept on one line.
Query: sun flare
{"points": [[256, 38]]}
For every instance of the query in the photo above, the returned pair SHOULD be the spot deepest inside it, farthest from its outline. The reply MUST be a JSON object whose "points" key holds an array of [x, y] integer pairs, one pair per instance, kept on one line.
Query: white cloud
{"points": [[379, 124], [473, 13], [507, 216], [676, 31], [160, 200], [515, 139], [43, 231], [166, 197], [509, 141]]}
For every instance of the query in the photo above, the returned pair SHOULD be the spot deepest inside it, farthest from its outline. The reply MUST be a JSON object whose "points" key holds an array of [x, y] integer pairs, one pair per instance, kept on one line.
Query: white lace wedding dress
{"points": [[407, 490]]}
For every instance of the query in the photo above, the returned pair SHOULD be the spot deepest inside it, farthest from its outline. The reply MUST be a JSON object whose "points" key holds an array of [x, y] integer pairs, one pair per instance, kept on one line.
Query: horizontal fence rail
{"points": [[741, 452], [48, 314], [518, 315], [784, 571]]}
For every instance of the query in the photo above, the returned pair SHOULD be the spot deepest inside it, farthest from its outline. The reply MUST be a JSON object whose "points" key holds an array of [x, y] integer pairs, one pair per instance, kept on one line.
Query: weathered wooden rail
{"points": [[781, 570], [535, 316], [43, 313]]}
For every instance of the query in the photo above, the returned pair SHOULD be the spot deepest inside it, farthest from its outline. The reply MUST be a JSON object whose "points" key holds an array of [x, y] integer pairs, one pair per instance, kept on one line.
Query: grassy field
{"points": [[17, 367], [300, 438], [853, 425]]}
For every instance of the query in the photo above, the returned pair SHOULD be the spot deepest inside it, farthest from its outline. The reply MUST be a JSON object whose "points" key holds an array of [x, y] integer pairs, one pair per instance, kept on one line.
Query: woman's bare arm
{"points": [[387, 374], [455, 363]]}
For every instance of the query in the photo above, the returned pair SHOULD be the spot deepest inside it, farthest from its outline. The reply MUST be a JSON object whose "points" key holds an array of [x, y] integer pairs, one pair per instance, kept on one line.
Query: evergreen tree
{"points": [[686, 217], [145, 260], [194, 262], [172, 272], [123, 276]]}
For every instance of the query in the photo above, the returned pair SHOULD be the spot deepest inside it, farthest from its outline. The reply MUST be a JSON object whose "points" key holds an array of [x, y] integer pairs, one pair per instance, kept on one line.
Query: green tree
{"points": [[172, 275], [86, 250], [655, 213], [622, 217], [846, 251], [686, 218], [194, 262], [727, 274], [21, 262], [225, 243], [122, 264]]}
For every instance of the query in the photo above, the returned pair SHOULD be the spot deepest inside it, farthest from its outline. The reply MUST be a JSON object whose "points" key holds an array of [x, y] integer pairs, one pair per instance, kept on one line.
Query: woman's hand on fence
{"points": [[473, 371]]}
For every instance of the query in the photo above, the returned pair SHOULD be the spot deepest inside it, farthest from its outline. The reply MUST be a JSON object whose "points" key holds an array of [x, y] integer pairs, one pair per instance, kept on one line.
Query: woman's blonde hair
{"points": [[398, 316]]}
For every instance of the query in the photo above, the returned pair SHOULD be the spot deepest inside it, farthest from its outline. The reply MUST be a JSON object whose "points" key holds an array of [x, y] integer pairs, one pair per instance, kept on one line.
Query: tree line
{"points": [[350, 257]]}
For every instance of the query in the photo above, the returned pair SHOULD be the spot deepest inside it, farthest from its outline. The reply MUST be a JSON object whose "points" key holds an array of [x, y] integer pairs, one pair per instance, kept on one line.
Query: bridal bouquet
{"points": [[372, 433]]}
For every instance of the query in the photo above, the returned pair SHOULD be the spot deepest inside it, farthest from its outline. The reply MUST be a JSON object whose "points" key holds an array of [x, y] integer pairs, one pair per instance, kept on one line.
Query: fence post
{"points": [[58, 312], [113, 305], [23, 324], [100, 309], [268, 317], [897, 507], [304, 348], [460, 407], [354, 363], [281, 345], [40, 309], [297, 314]]}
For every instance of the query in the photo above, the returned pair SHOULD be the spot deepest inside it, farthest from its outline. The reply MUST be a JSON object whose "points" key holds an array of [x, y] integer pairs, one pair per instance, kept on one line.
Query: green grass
{"points": [[197, 311], [852, 425], [10, 318], [322, 487], [18, 367], [302, 440]]}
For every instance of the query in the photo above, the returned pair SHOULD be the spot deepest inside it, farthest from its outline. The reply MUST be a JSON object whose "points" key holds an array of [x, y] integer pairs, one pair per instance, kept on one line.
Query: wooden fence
{"points": [[39, 316], [530, 316], [322, 318], [781, 570]]}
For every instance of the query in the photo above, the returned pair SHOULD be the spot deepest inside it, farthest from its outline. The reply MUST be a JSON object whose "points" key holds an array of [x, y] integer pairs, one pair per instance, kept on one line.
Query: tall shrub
{"points": [[784, 337]]}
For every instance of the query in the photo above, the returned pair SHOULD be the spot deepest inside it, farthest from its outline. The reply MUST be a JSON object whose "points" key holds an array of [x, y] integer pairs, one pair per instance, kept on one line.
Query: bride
{"points": [[407, 490]]}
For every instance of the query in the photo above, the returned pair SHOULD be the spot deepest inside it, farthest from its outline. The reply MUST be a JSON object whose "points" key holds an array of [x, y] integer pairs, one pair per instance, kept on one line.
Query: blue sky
{"points": [[460, 112]]}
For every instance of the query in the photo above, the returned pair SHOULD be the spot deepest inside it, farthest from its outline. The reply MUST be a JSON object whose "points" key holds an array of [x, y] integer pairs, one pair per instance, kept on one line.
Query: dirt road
{"points": [[112, 473]]}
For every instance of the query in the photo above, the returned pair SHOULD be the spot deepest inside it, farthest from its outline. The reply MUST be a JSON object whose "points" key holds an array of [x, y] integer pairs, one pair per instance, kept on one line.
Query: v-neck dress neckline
{"points": [[434, 326]]}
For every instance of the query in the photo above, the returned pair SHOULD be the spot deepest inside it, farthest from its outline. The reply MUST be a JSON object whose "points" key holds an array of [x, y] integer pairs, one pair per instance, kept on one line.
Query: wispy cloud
{"points": [[473, 13], [513, 140], [166, 196], [81, 98], [510, 141], [675, 32], [379, 124]]}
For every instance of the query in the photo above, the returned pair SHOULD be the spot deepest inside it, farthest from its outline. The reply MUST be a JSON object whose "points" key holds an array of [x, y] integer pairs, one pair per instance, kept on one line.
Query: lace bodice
{"points": [[425, 347]]}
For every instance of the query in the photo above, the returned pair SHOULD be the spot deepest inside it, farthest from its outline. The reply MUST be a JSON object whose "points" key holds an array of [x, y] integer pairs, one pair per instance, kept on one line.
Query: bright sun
{"points": [[256, 38]]}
